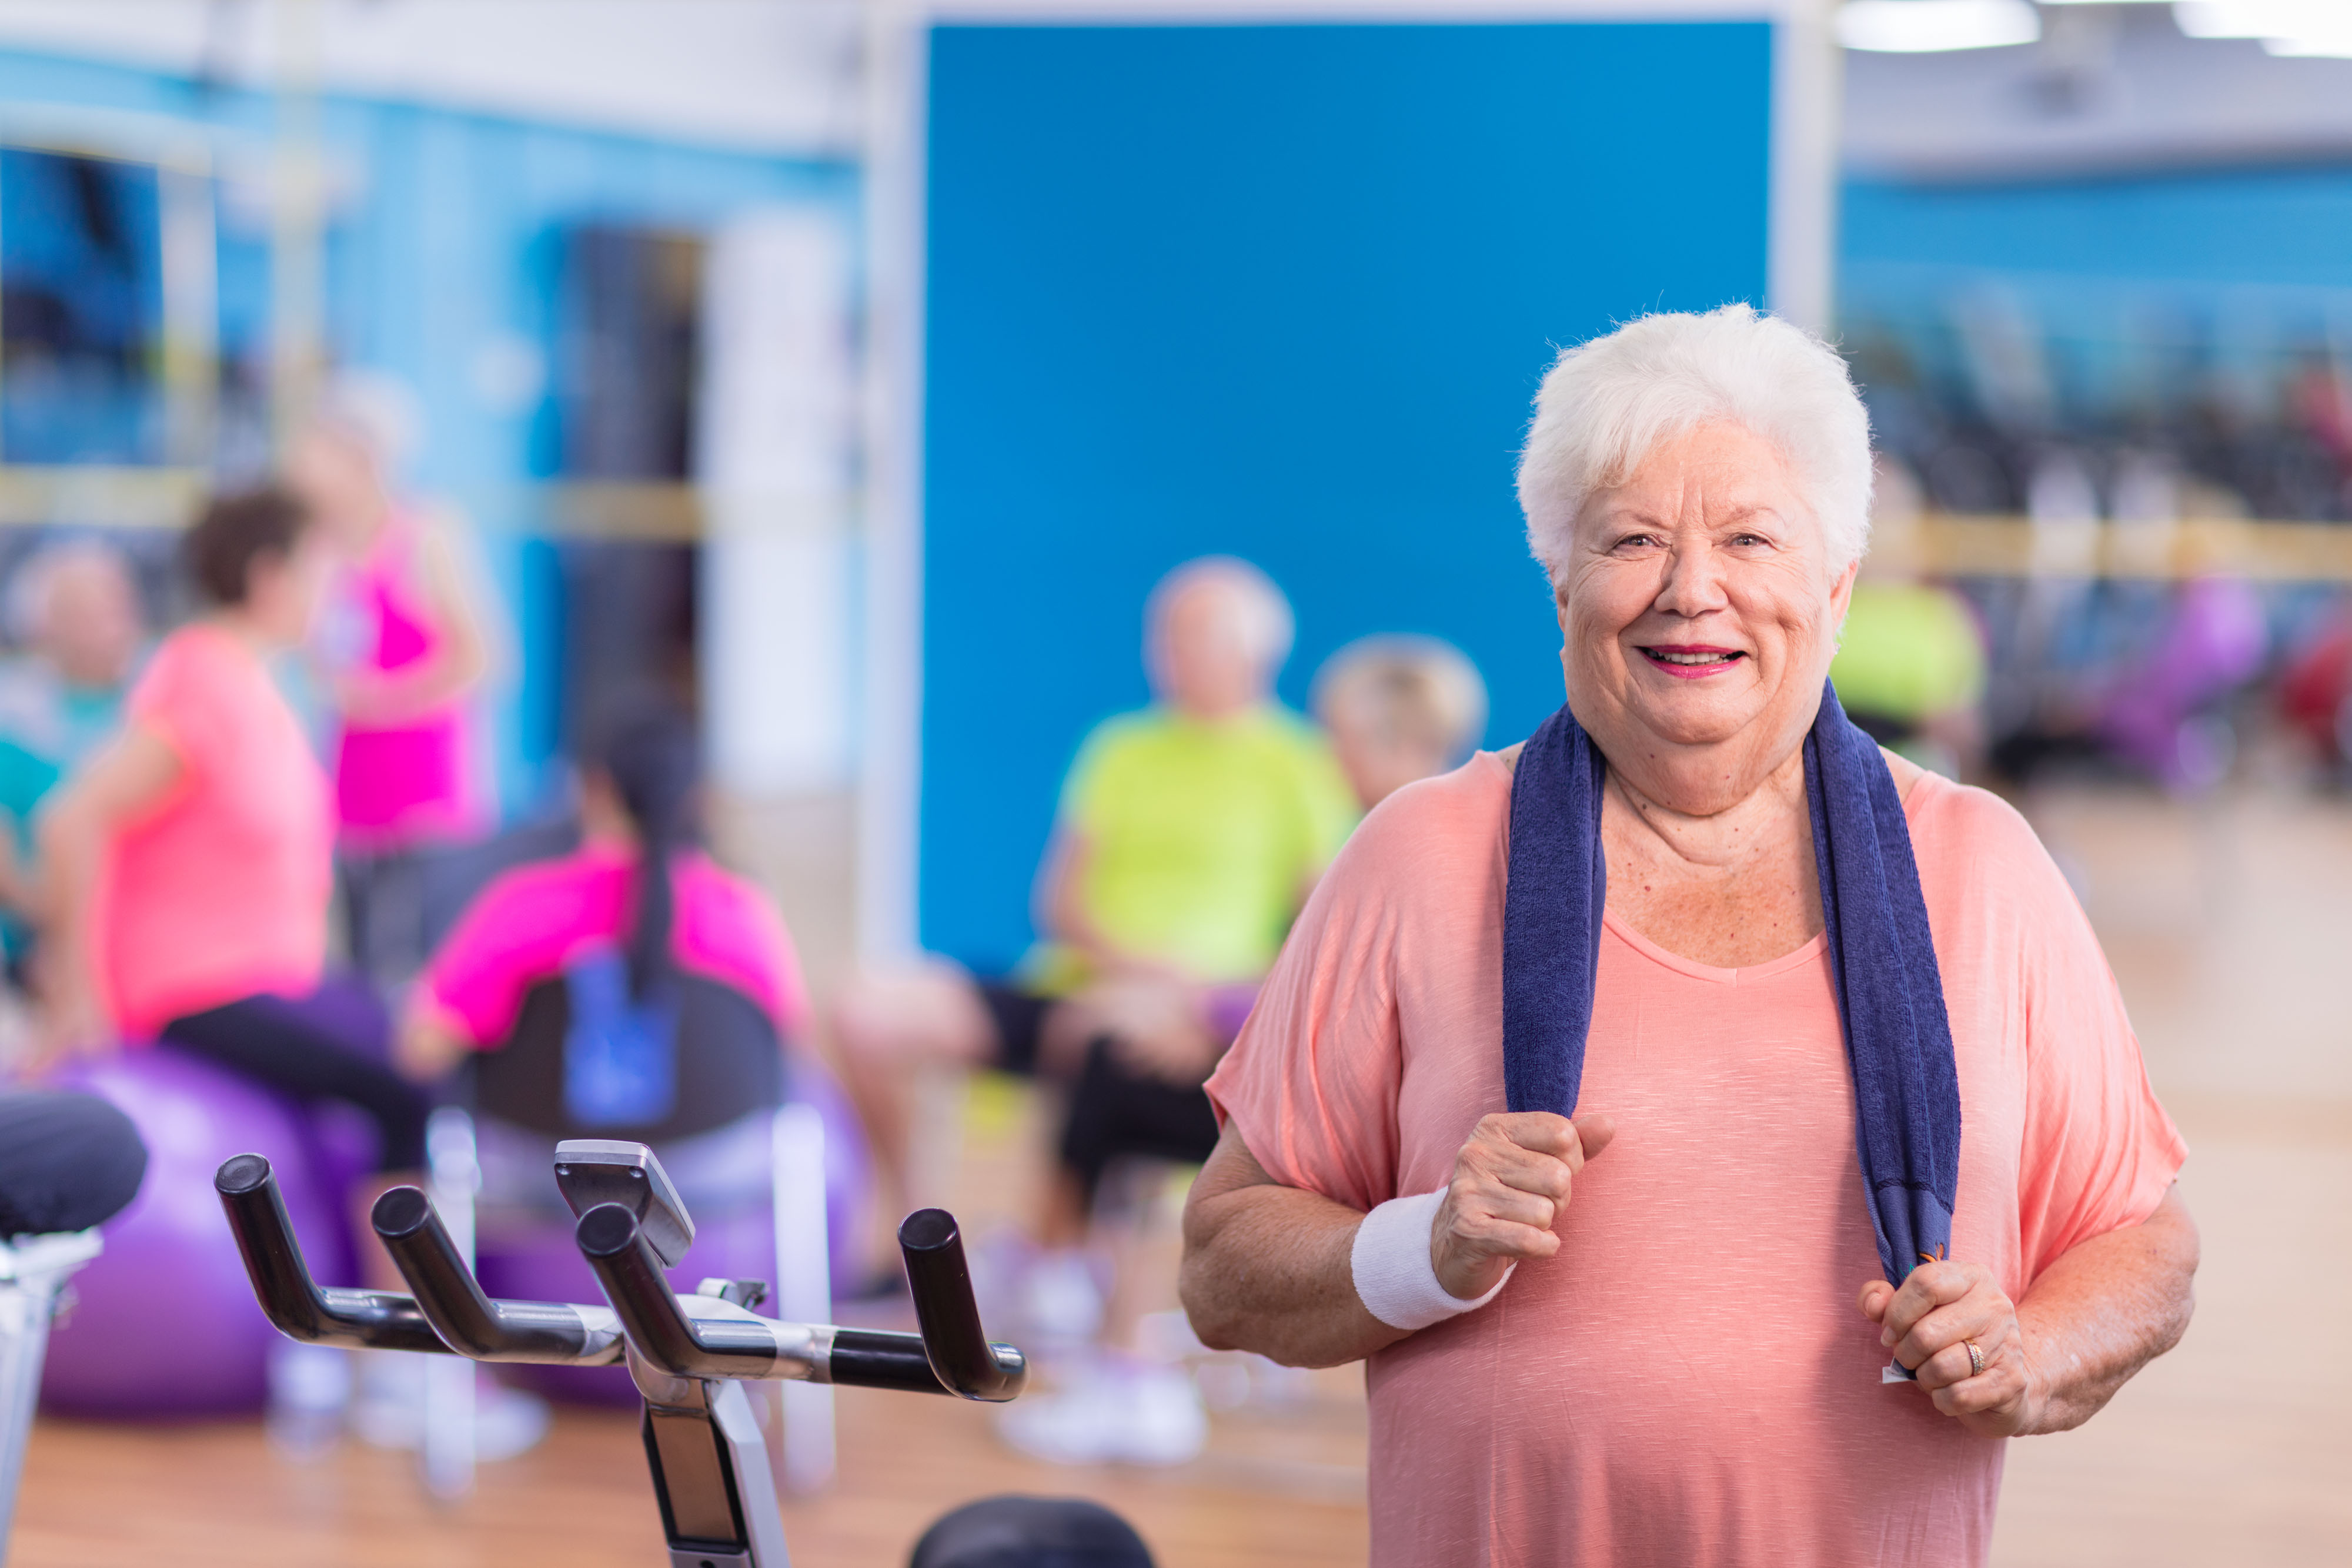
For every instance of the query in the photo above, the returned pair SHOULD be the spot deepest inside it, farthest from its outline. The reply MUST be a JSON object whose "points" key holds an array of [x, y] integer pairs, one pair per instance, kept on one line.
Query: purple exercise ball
{"points": [[165, 1325]]}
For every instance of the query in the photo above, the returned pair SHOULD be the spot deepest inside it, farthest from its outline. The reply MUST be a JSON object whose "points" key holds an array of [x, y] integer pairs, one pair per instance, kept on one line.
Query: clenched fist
{"points": [[1511, 1184]]}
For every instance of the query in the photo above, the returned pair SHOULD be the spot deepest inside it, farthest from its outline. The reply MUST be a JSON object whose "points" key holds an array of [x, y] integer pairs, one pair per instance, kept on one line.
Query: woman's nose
{"points": [[1694, 582]]}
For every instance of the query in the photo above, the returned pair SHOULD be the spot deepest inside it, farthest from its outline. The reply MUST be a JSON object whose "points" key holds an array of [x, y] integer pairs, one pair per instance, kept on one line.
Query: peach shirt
{"points": [[1689, 1382], [218, 892]]}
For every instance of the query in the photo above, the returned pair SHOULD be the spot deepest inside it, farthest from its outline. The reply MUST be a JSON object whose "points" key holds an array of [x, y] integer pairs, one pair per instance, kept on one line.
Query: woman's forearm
{"points": [[69, 847], [1267, 1267], [2104, 1310]]}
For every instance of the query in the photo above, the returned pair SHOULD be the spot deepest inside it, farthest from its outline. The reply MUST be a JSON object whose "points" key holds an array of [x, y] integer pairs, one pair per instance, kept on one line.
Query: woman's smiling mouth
{"points": [[1691, 661]]}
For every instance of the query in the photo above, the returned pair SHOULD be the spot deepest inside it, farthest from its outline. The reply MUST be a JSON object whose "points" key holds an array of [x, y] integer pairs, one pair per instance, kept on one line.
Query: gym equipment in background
{"points": [[689, 1356]]}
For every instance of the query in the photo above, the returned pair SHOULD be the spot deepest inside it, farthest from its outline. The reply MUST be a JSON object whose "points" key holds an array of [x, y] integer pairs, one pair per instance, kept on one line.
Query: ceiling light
{"points": [[2259, 18], [2331, 46], [1924, 26]]}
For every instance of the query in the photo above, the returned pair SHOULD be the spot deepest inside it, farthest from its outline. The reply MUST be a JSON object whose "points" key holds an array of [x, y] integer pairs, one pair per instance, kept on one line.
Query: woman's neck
{"points": [[243, 628], [1729, 887], [1722, 823]]}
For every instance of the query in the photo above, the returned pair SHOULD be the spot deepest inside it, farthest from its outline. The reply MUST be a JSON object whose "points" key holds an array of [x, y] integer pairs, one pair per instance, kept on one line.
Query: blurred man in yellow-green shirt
{"points": [[1189, 835]]}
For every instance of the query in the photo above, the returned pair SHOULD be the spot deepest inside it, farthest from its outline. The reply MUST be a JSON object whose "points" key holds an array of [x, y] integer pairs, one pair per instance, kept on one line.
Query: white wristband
{"points": [[1395, 1277]]}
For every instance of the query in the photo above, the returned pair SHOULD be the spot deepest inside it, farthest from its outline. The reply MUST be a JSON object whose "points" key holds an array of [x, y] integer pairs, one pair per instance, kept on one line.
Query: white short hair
{"points": [[1266, 620], [1606, 403], [35, 580]]}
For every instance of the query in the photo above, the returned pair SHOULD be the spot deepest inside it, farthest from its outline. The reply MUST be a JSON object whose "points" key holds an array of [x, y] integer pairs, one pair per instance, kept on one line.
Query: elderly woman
{"points": [[1716, 1134]]}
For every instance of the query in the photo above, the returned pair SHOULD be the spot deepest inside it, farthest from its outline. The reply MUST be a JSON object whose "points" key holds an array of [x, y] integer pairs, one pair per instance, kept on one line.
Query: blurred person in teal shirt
{"points": [[75, 609]]}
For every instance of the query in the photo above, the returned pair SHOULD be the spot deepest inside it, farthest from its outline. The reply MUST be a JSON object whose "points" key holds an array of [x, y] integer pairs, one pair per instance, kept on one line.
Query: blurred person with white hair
{"points": [[407, 650], [1189, 835], [1717, 1134], [74, 607], [1399, 708]]}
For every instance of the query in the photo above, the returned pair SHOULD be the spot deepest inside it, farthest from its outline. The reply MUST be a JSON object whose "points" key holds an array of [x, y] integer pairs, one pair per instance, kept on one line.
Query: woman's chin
{"points": [[1695, 712]]}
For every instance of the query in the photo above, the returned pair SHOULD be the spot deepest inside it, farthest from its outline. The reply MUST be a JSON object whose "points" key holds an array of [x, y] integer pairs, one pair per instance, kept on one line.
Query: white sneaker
{"points": [[1061, 1300], [506, 1422], [1112, 1412], [390, 1410]]}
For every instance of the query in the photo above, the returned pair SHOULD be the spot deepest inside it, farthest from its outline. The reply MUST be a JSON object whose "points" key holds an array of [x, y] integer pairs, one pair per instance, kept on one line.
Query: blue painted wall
{"points": [[442, 242], [2276, 227], [1284, 292]]}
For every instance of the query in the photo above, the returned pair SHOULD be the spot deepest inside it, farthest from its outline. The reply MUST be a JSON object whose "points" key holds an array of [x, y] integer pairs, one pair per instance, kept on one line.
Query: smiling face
{"points": [[1698, 613]]}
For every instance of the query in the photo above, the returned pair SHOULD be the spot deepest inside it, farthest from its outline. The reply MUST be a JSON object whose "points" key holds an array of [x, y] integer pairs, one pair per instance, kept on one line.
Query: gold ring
{"points": [[1976, 1358]]}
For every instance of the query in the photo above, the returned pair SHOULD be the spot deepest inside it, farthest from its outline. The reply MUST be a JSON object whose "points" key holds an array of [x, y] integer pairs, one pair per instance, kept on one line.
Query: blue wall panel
{"points": [[1284, 292], [2273, 228]]}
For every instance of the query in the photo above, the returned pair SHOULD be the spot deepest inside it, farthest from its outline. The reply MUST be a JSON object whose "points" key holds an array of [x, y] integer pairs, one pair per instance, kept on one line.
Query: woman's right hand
{"points": [[1511, 1184]]}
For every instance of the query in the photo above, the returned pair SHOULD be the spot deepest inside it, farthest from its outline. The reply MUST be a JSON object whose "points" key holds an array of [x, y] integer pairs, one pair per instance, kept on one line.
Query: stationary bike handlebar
{"points": [[697, 1337], [951, 1355], [355, 1320], [471, 1323]]}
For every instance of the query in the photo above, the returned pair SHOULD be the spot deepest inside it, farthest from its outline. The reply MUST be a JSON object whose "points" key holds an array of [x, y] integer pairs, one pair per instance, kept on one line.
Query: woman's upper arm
{"points": [[457, 600], [1309, 1093], [129, 774], [2098, 1151]]}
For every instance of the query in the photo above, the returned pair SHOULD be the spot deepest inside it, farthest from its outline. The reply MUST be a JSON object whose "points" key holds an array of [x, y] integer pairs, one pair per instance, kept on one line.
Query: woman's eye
{"points": [[1637, 541], [1749, 541]]}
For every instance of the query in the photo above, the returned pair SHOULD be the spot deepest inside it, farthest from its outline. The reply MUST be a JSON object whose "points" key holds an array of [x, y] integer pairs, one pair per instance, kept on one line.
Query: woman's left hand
{"points": [[1929, 1326]]}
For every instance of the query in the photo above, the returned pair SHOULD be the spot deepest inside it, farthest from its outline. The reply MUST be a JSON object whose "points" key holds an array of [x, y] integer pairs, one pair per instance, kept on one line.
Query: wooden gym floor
{"points": [[2228, 925]]}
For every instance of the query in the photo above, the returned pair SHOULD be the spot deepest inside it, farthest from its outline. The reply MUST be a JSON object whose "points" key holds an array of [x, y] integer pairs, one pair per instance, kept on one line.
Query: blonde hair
{"points": [[1404, 691], [1606, 403]]}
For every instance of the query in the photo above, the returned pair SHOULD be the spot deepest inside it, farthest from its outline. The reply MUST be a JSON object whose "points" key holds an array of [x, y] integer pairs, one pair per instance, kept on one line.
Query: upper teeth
{"points": [[1690, 658]]}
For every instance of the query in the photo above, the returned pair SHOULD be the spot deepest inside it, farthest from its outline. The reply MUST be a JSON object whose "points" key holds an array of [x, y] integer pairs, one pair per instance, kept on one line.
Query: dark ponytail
{"points": [[654, 759]]}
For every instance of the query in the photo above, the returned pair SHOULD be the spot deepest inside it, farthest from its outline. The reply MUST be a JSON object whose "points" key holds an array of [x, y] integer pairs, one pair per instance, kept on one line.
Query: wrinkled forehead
{"points": [[87, 582], [1710, 476], [1202, 605]]}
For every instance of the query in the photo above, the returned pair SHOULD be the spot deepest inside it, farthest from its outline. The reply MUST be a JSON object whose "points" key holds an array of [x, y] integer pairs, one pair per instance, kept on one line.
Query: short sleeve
{"points": [[2098, 1151], [1088, 784], [185, 695], [729, 929], [513, 935], [1311, 1085]]}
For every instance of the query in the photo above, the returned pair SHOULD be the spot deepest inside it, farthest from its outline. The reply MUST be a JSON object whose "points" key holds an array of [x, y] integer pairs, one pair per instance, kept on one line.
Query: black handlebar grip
{"points": [[469, 1323], [290, 1298], [953, 1339], [611, 1239], [881, 1358]]}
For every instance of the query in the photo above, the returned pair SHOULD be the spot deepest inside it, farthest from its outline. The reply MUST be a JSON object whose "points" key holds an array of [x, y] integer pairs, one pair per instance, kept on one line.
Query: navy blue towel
{"points": [[1899, 1042]]}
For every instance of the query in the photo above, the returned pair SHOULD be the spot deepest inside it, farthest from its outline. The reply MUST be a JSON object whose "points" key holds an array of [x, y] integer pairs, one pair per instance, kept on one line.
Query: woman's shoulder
{"points": [[1968, 840], [1452, 821], [704, 884], [541, 891], [1963, 815]]}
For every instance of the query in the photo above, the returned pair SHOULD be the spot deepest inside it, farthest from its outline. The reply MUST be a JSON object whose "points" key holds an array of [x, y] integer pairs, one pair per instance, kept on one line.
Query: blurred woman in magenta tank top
{"points": [[406, 655], [402, 777]]}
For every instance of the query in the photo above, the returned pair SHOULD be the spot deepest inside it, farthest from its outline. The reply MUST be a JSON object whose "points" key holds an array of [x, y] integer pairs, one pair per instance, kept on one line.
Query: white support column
{"points": [[775, 450], [1807, 70], [890, 788]]}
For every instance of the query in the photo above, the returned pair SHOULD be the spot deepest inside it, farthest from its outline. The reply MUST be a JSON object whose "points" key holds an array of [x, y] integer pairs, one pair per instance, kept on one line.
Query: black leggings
{"points": [[268, 1040], [1115, 1110]]}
